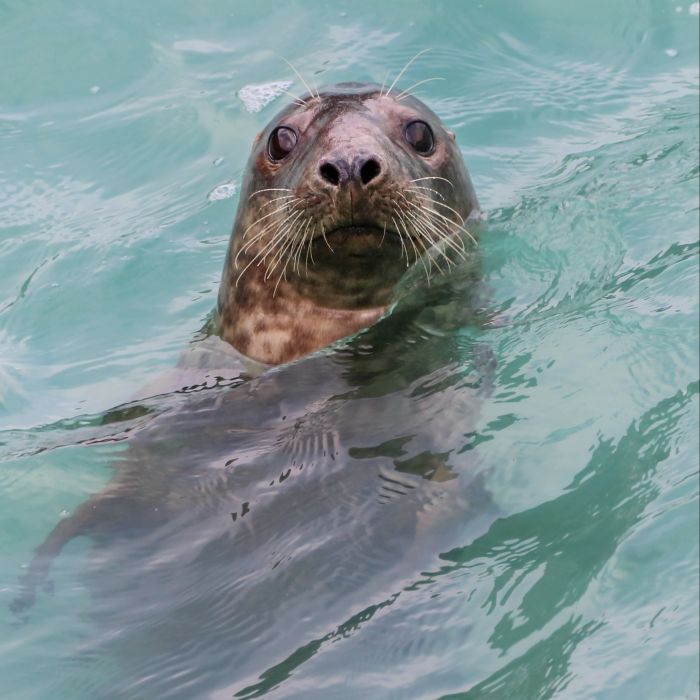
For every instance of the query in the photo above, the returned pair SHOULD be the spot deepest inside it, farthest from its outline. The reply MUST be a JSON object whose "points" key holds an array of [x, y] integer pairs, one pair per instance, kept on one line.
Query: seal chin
{"points": [[361, 240]]}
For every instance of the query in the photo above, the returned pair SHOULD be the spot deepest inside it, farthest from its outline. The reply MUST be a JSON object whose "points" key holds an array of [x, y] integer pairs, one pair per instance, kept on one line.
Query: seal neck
{"points": [[284, 327]]}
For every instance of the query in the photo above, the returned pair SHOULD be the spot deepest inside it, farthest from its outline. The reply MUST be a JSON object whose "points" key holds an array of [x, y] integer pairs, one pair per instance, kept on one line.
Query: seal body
{"points": [[343, 191], [253, 509]]}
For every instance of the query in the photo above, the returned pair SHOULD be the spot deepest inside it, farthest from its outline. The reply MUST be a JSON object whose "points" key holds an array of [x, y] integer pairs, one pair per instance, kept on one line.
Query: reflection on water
{"points": [[247, 514], [491, 494]]}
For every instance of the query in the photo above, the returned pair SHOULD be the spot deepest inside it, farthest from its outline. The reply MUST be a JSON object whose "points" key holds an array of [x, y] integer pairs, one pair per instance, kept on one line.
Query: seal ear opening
{"points": [[451, 134]]}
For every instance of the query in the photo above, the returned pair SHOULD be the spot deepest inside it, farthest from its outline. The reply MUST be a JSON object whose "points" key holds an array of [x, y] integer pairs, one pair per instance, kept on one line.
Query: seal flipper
{"points": [[38, 571]]}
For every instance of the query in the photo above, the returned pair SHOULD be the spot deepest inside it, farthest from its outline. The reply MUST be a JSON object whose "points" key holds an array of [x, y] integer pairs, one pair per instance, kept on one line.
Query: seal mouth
{"points": [[347, 234], [360, 240]]}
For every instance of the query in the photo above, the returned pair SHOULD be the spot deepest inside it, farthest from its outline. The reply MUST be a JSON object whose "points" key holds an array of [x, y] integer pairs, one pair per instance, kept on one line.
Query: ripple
{"points": [[280, 535], [225, 190], [257, 97]]}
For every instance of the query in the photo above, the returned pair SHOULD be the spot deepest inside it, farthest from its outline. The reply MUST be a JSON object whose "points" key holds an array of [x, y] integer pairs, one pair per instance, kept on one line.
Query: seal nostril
{"points": [[369, 171], [330, 173]]}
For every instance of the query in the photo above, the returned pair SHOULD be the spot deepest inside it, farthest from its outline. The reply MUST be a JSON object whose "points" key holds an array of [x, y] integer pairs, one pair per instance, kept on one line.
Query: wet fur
{"points": [[345, 281]]}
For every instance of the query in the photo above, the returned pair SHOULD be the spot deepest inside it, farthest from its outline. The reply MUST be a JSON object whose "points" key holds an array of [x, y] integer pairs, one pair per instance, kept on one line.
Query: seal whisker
{"points": [[270, 189], [399, 212], [381, 90], [297, 100], [283, 252], [309, 251], [280, 254], [304, 83], [433, 213], [288, 254], [262, 218], [323, 231], [424, 233], [277, 284], [443, 240], [288, 241], [438, 228], [290, 248], [441, 235], [410, 239], [434, 177], [422, 187], [423, 226], [255, 259], [277, 237], [260, 234], [300, 247], [277, 199], [440, 245], [406, 92], [404, 250], [435, 234], [453, 223], [289, 232], [279, 279], [403, 70], [291, 208], [427, 232], [426, 251], [283, 272], [295, 251], [446, 206]]}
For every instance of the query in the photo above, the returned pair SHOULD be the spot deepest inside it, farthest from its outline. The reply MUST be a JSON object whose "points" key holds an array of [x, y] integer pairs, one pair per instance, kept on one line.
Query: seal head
{"points": [[343, 191]]}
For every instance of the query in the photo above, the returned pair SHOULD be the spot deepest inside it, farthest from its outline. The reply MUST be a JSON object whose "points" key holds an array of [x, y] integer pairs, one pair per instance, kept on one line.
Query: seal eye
{"points": [[282, 141], [420, 136]]}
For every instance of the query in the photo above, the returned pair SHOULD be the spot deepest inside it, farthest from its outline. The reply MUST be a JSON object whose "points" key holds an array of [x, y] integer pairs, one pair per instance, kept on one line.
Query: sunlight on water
{"points": [[298, 535]]}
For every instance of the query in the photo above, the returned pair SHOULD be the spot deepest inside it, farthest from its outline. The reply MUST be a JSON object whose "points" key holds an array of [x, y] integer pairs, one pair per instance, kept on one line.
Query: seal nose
{"points": [[369, 169], [339, 172], [334, 172]]}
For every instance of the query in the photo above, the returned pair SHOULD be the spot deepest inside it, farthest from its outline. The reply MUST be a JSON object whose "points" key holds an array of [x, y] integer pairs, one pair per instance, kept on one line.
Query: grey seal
{"points": [[344, 190]]}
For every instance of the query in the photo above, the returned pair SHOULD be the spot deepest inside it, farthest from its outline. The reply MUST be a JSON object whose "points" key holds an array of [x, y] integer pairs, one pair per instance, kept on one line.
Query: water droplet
{"points": [[694, 9], [64, 513], [218, 161], [95, 89], [255, 97], [672, 53], [223, 191]]}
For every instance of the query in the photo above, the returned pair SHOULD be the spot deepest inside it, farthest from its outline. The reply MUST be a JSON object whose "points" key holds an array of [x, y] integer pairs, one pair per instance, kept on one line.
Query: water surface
{"points": [[562, 559]]}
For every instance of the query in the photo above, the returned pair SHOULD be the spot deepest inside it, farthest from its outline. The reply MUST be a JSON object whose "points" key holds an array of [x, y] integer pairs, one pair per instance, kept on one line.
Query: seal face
{"points": [[343, 191]]}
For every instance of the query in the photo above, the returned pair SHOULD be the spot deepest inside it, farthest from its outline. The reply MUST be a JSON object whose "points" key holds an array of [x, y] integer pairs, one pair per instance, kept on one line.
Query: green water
{"points": [[123, 137]]}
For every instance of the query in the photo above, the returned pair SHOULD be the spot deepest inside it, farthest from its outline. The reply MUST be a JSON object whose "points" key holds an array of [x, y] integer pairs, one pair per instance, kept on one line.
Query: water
{"points": [[563, 560]]}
